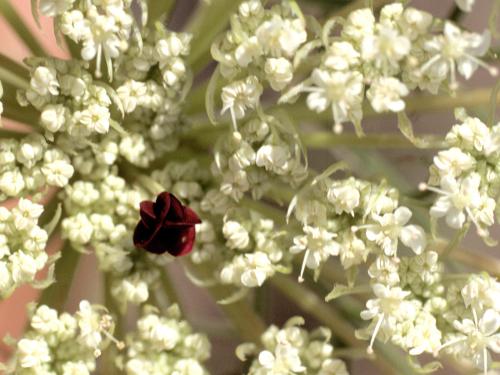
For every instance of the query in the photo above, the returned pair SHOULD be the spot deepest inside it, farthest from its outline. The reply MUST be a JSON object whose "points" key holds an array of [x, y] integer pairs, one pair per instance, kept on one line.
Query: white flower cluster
{"points": [[466, 176], [406, 317], [388, 57], [69, 100], [29, 164], [22, 246], [63, 343], [351, 219], [258, 248], [164, 344], [262, 151], [102, 27], [151, 82], [102, 215], [293, 350], [261, 40], [475, 333]]}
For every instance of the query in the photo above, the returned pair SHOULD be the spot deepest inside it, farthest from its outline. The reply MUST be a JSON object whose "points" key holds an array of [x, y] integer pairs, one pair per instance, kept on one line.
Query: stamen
{"points": [[356, 228], [104, 326], [450, 343], [480, 231], [428, 64], [423, 187], [303, 267], [338, 128], [369, 350], [453, 74], [233, 118], [485, 361], [98, 62], [490, 68]]}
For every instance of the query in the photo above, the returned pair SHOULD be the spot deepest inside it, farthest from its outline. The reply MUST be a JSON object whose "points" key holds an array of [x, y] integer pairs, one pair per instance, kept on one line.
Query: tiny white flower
{"points": [[341, 55], [453, 162], [342, 92], [385, 94], [279, 72], [33, 353], [275, 158], [44, 81], [456, 197], [240, 96], [236, 235], [391, 227], [457, 50], [54, 117], [281, 37], [318, 245]]}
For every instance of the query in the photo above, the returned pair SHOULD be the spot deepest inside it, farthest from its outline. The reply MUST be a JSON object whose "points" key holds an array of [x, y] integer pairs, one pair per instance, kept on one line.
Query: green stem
{"points": [[169, 290], [15, 112], [324, 139], [210, 19], [20, 27], [158, 9], [417, 103], [13, 73], [56, 295], [108, 359], [243, 318]]}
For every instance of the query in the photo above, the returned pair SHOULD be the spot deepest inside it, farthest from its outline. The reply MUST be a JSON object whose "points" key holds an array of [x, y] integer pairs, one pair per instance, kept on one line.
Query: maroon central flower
{"points": [[166, 226]]}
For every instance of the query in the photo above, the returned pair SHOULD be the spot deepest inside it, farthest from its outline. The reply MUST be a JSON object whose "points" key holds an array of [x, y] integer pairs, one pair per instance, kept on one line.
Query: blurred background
{"points": [[408, 167]]}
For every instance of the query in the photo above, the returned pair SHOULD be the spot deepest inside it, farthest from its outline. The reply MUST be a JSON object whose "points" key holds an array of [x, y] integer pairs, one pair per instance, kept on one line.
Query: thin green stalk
{"points": [[20, 27], [56, 295], [326, 139], [416, 103], [168, 288], [317, 139], [13, 111], [209, 19], [493, 103], [158, 9], [13, 72], [243, 318], [107, 361], [11, 134]]}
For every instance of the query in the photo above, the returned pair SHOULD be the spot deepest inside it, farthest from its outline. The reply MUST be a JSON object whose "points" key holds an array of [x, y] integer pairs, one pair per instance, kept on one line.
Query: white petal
{"points": [[414, 237], [402, 215], [490, 322]]}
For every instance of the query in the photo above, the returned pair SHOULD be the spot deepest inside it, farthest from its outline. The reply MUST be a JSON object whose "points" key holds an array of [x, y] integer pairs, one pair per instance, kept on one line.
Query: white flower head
{"points": [[393, 226], [318, 245], [342, 92], [456, 50]]}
